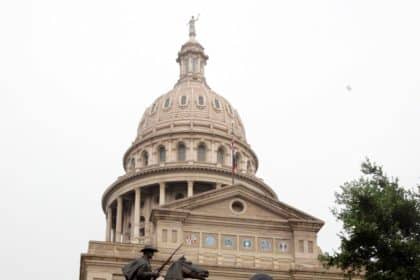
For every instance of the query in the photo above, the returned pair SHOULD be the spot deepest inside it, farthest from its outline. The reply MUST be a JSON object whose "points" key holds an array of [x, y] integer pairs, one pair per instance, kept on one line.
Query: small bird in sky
{"points": [[348, 88]]}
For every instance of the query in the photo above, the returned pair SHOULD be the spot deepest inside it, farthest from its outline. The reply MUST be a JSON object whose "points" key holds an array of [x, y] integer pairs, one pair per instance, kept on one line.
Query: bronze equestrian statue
{"points": [[140, 269]]}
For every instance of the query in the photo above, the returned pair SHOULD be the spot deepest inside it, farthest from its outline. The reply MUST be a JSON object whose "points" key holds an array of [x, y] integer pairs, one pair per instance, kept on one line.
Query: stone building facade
{"points": [[178, 188]]}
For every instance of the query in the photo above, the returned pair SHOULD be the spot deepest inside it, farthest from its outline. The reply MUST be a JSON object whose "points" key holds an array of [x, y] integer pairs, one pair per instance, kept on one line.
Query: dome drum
{"points": [[134, 158]]}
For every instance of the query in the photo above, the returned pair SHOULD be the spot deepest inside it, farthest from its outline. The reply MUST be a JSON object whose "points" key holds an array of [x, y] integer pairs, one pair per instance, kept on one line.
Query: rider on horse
{"points": [[140, 268]]}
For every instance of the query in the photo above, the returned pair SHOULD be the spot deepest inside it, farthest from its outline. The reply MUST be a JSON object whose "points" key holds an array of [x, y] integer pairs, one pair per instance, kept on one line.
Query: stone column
{"points": [[136, 222], [190, 191], [119, 220], [162, 193], [218, 186], [108, 224]]}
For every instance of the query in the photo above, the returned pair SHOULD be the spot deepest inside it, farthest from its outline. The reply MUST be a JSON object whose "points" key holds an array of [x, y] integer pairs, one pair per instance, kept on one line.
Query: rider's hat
{"points": [[149, 248]]}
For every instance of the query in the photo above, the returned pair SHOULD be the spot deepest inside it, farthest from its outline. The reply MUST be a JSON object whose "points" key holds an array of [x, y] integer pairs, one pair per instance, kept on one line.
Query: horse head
{"points": [[182, 268], [261, 276]]}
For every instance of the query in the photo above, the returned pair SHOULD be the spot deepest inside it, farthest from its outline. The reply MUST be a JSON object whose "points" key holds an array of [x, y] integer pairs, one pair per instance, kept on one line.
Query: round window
{"points": [[237, 206]]}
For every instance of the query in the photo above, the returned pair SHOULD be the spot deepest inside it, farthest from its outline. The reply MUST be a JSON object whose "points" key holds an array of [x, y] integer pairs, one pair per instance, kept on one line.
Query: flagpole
{"points": [[233, 156]]}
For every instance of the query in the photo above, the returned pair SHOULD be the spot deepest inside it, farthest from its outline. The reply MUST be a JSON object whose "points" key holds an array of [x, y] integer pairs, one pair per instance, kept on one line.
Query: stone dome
{"points": [[190, 141], [191, 105]]}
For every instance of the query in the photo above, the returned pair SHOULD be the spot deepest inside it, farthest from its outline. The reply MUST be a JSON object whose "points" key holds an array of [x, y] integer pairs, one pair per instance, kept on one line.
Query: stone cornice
{"points": [[168, 214], [305, 225], [191, 217], [179, 168], [248, 223]]}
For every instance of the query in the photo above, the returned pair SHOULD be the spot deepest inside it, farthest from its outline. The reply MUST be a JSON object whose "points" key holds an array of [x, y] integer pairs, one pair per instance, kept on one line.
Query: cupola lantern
{"points": [[191, 57]]}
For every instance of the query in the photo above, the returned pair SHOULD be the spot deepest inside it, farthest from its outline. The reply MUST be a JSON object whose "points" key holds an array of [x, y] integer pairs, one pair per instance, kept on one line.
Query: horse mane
{"points": [[175, 271]]}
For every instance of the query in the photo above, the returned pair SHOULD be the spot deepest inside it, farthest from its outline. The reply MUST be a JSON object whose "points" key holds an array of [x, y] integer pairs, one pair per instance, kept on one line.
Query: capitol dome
{"points": [[189, 141], [191, 108]]}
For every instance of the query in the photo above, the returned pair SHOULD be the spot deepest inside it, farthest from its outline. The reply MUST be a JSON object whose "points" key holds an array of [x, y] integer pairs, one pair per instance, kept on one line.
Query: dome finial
{"points": [[191, 23]]}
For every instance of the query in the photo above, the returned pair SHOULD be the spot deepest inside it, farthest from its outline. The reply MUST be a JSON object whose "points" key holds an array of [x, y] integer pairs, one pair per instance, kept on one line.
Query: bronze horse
{"points": [[182, 268], [261, 276]]}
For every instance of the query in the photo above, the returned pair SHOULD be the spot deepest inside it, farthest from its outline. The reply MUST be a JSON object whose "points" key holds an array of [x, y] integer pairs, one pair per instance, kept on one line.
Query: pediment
{"points": [[228, 201]]}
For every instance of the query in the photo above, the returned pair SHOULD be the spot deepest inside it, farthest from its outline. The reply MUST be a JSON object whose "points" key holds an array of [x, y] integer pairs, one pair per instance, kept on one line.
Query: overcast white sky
{"points": [[76, 76]]}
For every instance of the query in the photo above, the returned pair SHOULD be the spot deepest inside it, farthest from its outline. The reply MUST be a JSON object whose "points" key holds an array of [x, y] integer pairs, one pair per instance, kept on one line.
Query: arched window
{"points": [[142, 219], [153, 108], [238, 160], [145, 158], [162, 154], [201, 152], [229, 109], [217, 104], [221, 155], [183, 100], [201, 100], [132, 163], [167, 103], [181, 150]]}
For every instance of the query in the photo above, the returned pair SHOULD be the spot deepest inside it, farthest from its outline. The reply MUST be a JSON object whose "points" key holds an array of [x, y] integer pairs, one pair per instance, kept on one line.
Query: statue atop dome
{"points": [[191, 23]]}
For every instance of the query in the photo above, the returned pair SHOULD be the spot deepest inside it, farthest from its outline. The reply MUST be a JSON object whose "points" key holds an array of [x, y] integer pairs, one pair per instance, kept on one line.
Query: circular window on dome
{"points": [[183, 100], [237, 206]]}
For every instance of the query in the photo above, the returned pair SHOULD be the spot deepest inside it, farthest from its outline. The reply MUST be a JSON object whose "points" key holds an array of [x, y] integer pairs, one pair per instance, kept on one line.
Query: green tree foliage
{"points": [[381, 227]]}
